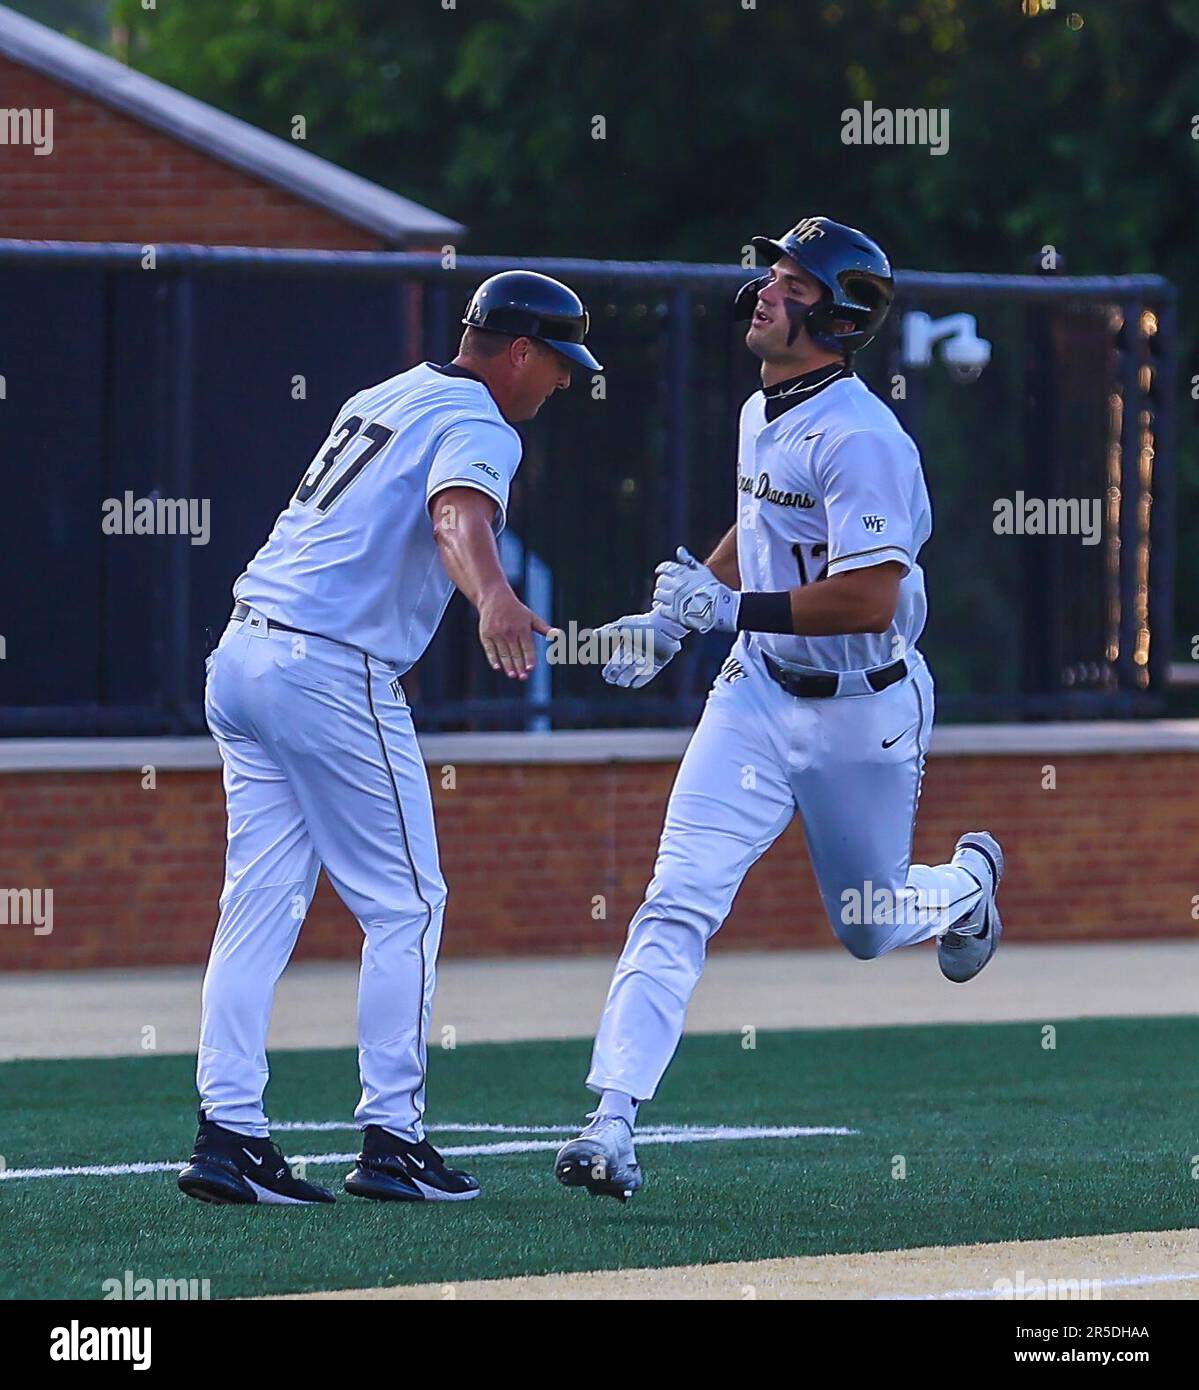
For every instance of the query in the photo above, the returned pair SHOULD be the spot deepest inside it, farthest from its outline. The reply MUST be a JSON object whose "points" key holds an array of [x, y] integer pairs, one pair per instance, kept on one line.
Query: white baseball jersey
{"points": [[832, 484], [353, 557]]}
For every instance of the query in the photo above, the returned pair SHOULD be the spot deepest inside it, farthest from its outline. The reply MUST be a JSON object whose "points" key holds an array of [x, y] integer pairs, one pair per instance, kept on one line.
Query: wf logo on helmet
{"points": [[806, 230]]}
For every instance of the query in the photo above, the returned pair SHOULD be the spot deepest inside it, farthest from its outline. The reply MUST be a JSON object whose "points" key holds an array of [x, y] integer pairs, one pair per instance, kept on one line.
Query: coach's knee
{"points": [[398, 908]]}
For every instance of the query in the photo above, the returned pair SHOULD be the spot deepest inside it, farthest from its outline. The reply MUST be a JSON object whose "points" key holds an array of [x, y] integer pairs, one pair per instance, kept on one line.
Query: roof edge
{"points": [[228, 139]]}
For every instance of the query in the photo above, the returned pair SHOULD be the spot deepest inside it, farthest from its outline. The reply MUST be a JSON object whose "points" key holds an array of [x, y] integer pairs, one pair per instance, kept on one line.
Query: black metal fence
{"points": [[213, 374]]}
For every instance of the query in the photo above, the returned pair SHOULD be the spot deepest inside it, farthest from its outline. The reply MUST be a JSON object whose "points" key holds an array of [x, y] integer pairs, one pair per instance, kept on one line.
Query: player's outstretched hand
{"points": [[688, 593], [506, 629], [638, 646]]}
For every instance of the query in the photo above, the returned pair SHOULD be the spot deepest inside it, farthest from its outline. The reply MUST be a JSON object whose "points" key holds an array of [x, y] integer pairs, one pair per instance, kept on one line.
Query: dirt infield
{"points": [[104, 1013], [1141, 1265]]}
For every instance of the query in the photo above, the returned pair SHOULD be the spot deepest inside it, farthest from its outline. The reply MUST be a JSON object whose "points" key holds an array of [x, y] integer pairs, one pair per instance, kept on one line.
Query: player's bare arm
{"points": [[862, 600], [463, 521], [723, 560], [859, 601]]}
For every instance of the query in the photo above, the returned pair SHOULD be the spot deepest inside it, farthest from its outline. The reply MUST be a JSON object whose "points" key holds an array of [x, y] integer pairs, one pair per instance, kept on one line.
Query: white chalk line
{"points": [[333, 1126], [1121, 1282], [663, 1134], [792, 1131]]}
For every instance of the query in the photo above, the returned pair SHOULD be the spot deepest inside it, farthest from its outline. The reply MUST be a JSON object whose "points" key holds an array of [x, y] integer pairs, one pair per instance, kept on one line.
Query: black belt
{"points": [[241, 611], [825, 685]]}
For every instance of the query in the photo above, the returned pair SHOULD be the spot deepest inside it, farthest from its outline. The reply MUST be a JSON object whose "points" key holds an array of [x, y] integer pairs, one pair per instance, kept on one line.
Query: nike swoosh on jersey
{"points": [[890, 742]]}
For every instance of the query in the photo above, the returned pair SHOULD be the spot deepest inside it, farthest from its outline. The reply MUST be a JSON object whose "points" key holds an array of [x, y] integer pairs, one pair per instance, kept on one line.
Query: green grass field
{"points": [[1001, 1138]]}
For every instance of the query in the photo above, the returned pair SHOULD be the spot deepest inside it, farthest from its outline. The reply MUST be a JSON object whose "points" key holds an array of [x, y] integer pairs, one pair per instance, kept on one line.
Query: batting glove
{"points": [[689, 593], [639, 646]]}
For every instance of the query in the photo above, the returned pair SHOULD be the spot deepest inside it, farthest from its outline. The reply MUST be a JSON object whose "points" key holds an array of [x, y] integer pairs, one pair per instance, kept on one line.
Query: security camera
{"points": [[965, 356], [964, 353]]}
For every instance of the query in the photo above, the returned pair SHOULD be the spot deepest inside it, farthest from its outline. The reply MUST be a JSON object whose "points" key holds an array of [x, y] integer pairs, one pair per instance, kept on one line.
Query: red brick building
{"points": [[92, 151], [547, 841]]}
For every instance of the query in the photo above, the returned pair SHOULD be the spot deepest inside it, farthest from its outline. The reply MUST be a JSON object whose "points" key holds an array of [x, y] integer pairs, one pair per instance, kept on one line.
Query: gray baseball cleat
{"points": [[969, 944], [601, 1159]]}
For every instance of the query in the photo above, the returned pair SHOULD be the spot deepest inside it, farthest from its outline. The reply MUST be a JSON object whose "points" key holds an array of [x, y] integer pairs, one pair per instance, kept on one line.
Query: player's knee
{"points": [[688, 904], [864, 920], [863, 938], [673, 924], [863, 943]]}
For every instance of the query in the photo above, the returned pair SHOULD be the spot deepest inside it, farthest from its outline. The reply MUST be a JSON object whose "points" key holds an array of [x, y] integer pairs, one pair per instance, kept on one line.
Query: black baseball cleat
{"points": [[391, 1169], [229, 1168]]}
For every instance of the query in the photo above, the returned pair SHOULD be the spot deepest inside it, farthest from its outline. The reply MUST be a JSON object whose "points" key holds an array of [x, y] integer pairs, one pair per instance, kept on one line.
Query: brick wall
{"points": [[110, 178], [525, 848]]}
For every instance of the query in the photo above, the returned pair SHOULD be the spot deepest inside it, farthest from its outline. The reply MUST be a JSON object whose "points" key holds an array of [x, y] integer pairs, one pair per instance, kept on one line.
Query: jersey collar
{"points": [[452, 369], [795, 390]]}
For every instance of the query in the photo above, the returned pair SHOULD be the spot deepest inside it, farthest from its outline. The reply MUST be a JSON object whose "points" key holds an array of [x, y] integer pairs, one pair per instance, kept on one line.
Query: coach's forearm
{"points": [[462, 527], [723, 560]]}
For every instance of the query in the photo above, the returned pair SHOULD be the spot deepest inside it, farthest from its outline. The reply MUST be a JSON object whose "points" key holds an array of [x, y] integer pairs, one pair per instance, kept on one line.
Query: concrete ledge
{"points": [[605, 746]]}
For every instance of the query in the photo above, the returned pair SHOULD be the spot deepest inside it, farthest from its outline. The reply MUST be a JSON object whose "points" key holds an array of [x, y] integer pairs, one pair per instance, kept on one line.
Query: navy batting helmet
{"points": [[853, 269], [524, 304]]}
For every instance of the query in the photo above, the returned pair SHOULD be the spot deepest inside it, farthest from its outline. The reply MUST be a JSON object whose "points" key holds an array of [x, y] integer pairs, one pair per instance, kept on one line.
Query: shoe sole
{"points": [[203, 1191], [996, 935], [378, 1188], [222, 1190], [579, 1171]]}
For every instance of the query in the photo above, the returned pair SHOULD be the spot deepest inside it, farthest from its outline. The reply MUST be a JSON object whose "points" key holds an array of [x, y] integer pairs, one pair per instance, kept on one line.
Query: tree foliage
{"points": [[724, 117]]}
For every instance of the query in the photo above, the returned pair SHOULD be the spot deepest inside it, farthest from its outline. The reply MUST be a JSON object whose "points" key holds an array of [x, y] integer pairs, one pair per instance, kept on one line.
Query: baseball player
{"points": [[402, 503], [824, 705]]}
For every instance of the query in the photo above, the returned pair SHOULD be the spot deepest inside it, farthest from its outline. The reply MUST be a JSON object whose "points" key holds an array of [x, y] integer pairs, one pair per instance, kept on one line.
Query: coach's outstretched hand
{"points": [[639, 646], [506, 628]]}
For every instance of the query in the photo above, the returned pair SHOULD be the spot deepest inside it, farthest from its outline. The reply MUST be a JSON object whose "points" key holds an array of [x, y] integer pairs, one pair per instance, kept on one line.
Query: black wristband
{"points": [[765, 612]]}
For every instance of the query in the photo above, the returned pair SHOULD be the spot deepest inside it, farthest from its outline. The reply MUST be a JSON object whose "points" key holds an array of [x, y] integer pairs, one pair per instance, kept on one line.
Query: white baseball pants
{"points": [[321, 767], [851, 766]]}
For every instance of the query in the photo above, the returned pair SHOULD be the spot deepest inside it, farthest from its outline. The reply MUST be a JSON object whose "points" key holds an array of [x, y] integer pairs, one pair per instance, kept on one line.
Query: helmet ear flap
{"points": [[822, 317], [747, 297]]}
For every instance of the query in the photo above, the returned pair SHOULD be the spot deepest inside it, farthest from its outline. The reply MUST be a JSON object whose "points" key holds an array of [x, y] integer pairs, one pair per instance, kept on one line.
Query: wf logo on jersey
{"points": [[732, 671], [875, 524]]}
